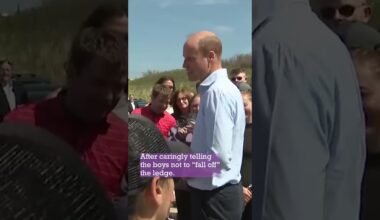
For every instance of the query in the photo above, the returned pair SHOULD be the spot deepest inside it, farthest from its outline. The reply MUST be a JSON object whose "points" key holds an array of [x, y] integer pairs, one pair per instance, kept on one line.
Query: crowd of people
{"points": [[220, 128], [81, 113], [91, 114], [316, 137]]}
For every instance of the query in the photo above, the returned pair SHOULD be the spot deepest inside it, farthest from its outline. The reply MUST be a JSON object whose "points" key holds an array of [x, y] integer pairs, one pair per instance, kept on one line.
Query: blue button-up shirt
{"points": [[219, 129]]}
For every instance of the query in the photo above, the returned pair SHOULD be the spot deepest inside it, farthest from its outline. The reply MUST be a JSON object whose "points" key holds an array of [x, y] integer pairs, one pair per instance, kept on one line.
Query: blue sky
{"points": [[158, 28]]}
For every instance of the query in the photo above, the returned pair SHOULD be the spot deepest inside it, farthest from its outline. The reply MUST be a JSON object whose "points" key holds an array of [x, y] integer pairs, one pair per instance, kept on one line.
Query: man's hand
{"points": [[247, 194]]}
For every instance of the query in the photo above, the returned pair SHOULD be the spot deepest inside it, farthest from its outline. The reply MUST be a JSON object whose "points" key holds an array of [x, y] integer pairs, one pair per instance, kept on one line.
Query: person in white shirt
{"points": [[131, 103], [11, 95], [6, 83]]}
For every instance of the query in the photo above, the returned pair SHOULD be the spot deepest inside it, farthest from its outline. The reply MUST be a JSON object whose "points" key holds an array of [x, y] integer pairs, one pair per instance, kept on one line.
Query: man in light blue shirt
{"points": [[219, 129]]}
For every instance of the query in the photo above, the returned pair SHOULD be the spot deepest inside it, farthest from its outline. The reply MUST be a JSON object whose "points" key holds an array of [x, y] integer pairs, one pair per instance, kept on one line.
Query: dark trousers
{"points": [[247, 214], [183, 204], [223, 203]]}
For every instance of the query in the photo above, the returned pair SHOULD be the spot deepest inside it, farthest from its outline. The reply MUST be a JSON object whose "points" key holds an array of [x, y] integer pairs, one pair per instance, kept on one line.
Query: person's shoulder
{"points": [[169, 118], [307, 34], [29, 112], [137, 111], [117, 122], [224, 89], [23, 113]]}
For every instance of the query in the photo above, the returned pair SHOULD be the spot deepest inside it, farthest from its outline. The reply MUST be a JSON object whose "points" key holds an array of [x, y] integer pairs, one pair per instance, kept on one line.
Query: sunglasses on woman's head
{"points": [[344, 10]]}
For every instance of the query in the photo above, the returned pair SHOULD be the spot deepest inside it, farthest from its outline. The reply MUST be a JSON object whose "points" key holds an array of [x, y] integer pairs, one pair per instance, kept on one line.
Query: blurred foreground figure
{"points": [[41, 177], [149, 198], [309, 135], [81, 113]]}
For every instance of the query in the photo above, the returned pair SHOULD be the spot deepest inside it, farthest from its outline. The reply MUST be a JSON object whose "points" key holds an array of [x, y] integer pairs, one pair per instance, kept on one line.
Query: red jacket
{"points": [[164, 122]]}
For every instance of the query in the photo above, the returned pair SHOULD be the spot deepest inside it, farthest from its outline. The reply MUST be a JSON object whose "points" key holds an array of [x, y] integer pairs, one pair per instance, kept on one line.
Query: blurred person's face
{"points": [[168, 84], [196, 64], [335, 12], [182, 102], [370, 91], [194, 106], [6, 73], [94, 92], [238, 78], [247, 108], [119, 24], [159, 104], [131, 98]]}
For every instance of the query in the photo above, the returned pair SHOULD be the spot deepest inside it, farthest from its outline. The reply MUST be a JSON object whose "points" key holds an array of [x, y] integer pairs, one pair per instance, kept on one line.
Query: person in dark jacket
{"points": [[12, 94]]}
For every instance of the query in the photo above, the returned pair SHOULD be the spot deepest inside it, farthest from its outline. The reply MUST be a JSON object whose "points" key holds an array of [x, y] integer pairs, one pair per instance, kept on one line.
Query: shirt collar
{"points": [[210, 79]]}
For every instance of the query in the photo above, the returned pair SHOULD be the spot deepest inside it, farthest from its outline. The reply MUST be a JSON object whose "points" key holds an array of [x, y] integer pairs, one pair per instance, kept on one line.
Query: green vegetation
{"points": [[38, 40], [141, 87]]}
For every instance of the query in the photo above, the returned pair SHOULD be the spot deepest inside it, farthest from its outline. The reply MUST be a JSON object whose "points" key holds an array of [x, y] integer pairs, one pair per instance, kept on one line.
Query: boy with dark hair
{"points": [[110, 15]]}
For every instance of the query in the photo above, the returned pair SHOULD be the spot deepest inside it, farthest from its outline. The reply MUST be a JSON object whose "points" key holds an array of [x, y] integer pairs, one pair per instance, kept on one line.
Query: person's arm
{"points": [[219, 126], [292, 116]]}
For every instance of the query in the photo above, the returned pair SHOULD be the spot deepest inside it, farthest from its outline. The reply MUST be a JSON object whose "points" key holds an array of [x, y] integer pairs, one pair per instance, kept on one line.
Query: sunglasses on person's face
{"points": [[344, 10], [236, 78]]}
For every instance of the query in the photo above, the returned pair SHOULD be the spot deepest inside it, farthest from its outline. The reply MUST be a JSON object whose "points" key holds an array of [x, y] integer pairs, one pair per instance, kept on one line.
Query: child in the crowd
{"points": [[367, 63], [246, 169]]}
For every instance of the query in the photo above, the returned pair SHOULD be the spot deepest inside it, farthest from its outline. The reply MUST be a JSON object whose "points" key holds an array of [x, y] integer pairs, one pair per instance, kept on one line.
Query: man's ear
{"points": [[156, 191], [211, 55]]}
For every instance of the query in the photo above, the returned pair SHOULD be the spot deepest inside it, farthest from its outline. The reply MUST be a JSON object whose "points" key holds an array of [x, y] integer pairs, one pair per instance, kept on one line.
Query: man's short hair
{"points": [[161, 90], [236, 71], [108, 46], [104, 13], [210, 43]]}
